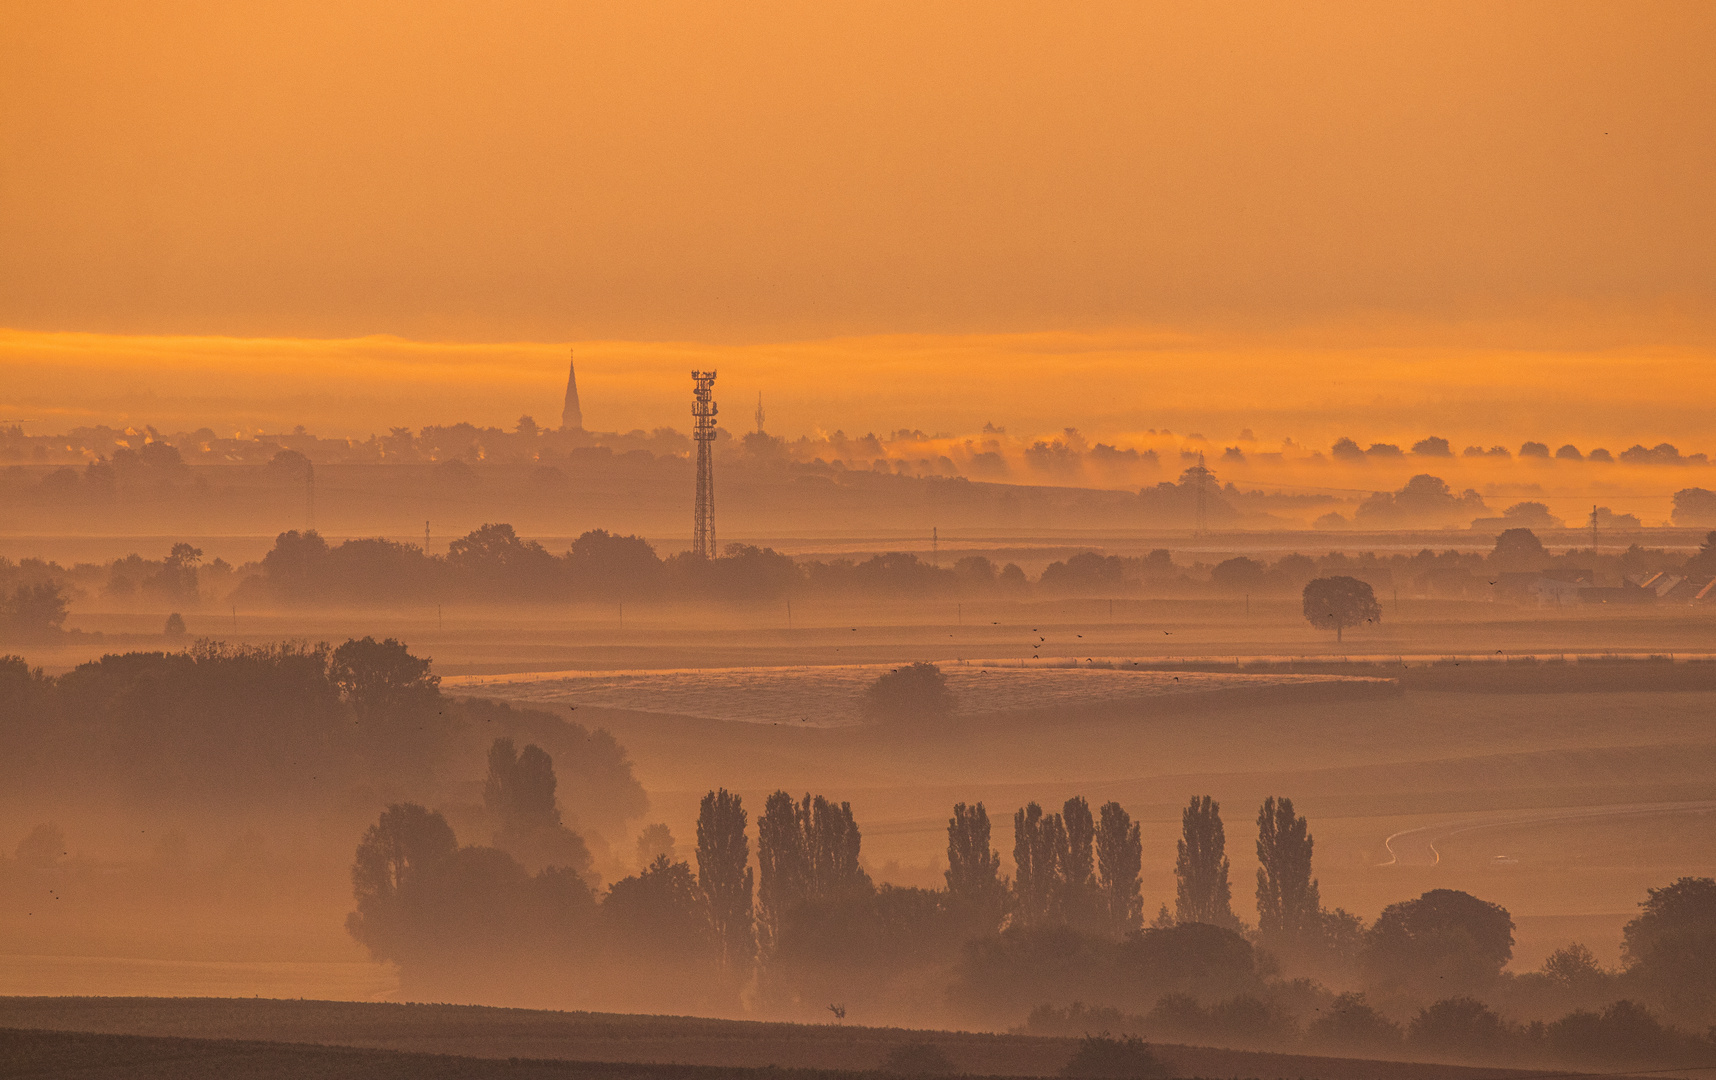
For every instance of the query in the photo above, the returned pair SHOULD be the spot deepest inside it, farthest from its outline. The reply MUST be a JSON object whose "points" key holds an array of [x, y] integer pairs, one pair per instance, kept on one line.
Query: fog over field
{"points": [[691, 541]]}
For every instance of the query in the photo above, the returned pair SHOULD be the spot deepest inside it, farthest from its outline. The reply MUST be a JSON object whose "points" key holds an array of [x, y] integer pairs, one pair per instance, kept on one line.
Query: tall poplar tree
{"points": [[1288, 904], [1120, 864], [1202, 893], [725, 878], [1039, 845], [806, 851], [974, 885], [1077, 902], [783, 864]]}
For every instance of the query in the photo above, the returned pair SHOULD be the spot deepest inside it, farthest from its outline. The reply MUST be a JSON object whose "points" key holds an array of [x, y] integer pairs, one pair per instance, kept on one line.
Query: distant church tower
{"points": [[571, 417]]}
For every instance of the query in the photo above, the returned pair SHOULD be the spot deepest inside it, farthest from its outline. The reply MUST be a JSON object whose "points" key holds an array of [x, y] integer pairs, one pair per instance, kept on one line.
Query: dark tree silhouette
{"points": [[806, 852], [175, 627], [519, 791], [1350, 1023], [1670, 947], [1124, 1058], [1518, 550], [1077, 884], [783, 862], [1288, 905], [914, 692], [603, 564], [33, 611], [295, 566], [1445, 940], [403, 845], [1202, 893], [974, 884], [659, 913], [1120, 861], [655, 840], [1459, 1025], [724, 875], [1335, 603], [1039, 845], [519, 796], [380, 677]]}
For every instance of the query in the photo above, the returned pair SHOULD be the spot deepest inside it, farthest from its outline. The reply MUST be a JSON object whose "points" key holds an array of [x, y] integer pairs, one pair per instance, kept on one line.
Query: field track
{"points": [[1417, 847]]}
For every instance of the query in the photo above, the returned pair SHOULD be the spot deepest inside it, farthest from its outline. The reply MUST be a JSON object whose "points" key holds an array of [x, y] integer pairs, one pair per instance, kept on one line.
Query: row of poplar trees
{"points": [[1073, 868]]}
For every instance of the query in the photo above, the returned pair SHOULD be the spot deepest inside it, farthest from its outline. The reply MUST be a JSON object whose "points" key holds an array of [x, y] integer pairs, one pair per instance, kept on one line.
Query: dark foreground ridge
{"points": [[145, 1057], [248, 1038]]}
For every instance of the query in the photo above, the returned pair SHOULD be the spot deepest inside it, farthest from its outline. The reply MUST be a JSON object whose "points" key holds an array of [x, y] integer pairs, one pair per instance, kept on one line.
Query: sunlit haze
{"points": [[1135, 540]]}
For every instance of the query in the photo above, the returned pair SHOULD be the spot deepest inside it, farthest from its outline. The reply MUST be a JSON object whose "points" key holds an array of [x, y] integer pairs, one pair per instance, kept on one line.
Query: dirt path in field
{"points": [[1417, 847]]}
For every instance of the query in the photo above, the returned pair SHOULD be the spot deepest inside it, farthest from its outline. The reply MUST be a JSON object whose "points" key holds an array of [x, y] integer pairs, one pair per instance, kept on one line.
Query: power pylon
{"points": [[703, 410]]}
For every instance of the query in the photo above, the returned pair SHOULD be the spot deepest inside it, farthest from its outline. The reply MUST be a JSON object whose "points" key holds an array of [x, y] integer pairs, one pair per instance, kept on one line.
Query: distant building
{"points": [[571, 414], [1551, 588]]}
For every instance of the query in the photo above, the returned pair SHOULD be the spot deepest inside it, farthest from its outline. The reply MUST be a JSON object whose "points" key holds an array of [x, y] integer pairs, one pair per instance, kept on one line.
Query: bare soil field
{"points": [[244, 1034]]}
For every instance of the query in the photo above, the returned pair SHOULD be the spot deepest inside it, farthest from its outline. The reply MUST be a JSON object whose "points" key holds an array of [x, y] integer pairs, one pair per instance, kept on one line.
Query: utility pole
{"points": [[1593, 541], [425, 539], [935, 546]]}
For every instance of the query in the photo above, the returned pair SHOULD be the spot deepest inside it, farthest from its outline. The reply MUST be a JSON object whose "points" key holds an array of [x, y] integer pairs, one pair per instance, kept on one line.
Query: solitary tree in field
{"points": [[1288, 904], [1119, 861], [974, 884], [724, 877], [1335, 603], [914, 692], [1202, 893]]}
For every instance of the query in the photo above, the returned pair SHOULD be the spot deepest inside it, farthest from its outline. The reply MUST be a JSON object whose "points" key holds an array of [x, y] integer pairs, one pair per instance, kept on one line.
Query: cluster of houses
{"points": [[1567, 587]]}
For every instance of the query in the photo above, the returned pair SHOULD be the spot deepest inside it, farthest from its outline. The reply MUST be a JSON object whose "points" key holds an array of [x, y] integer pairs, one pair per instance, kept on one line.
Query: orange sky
{"points": [[1487, 221], [790, 171]]}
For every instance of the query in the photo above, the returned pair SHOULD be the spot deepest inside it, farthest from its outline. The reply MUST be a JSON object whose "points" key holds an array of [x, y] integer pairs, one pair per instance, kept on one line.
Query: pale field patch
{"points": [[831, 695]]}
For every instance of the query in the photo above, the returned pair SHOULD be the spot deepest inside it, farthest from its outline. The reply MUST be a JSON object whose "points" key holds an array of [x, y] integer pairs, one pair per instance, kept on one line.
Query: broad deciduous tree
{"points": [[1335, 603]]}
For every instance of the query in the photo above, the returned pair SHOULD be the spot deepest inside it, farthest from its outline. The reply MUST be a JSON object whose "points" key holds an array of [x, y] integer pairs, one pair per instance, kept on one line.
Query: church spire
{"points": [[572, 416]]}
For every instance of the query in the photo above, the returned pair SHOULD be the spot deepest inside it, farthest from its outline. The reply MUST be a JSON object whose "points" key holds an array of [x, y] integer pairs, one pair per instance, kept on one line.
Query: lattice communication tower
{"points": [[703, 410]]}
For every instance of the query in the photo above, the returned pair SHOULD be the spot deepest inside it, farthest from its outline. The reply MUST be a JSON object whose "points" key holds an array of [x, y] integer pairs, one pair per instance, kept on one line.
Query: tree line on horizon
{"points": [[1060, 947], [494, 563]]}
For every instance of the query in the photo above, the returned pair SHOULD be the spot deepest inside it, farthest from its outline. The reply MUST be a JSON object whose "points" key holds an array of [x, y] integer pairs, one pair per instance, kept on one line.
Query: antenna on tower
{"points": [[759, 412], [703, 410]]}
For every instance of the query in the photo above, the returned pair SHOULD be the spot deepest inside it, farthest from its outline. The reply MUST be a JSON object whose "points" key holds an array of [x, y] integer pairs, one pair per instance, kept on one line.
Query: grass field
{"points": [[195, 1038], [826, 695]]}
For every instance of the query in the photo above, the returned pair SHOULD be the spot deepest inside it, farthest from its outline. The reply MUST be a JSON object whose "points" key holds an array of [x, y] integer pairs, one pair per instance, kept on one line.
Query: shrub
{"points": [[914, 692], [919, 1059], [1106, 1056]]}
